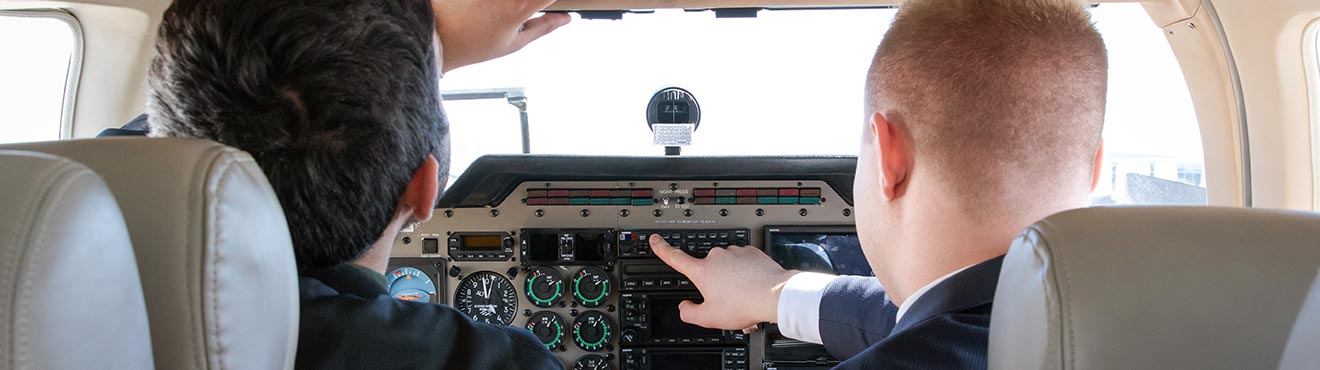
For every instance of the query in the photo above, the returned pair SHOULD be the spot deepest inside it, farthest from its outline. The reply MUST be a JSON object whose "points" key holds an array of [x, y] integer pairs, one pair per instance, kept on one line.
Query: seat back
{"points": [[70, 296], [1153, 288], [1303, 350], [212, 244]]}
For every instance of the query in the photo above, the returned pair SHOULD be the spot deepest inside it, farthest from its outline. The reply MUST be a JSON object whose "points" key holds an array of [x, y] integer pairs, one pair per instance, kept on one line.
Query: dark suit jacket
{"points": [[349, 321], [947, 328]]}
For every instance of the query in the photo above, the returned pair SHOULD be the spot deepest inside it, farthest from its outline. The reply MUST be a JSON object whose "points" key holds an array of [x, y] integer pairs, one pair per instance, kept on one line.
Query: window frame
{"points": [[1311, 57], [74, 74]]}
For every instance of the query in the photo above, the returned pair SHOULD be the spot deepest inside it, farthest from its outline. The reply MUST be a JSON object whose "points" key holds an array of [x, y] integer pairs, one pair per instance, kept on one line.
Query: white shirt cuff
{"points": [[799, 306]]}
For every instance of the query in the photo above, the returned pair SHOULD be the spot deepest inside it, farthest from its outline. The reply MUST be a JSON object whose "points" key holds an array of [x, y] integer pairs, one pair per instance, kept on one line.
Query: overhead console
{"points": [[558, 245]]}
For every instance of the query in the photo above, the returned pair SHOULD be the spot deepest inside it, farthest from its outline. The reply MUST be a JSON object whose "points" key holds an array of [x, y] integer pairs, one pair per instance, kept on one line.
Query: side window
{"points": [[1153, 151], [38, 73]]}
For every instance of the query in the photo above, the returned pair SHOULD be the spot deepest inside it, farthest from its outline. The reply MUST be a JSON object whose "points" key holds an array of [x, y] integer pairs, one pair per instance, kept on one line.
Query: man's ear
{"points": [[1099, 165], [419, 196], [894, 153]]}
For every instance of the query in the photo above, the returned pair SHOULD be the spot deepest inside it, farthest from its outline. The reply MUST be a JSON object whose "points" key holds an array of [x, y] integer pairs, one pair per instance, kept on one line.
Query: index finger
{"points": [[674, 257]]}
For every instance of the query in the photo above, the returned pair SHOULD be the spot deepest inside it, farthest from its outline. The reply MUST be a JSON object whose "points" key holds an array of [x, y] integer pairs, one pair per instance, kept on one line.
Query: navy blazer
{"points": [[349, 321], [947, 328]]}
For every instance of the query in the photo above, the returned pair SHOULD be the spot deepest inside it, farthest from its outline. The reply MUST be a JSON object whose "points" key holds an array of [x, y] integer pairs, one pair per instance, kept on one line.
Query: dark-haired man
{"points": [[338, 101], [982, 116]]}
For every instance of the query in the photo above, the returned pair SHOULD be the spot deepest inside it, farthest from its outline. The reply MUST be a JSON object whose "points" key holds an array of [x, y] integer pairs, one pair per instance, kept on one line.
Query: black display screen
{"points": [[666, 323], [826, 252], [687, 361], [589, 247], [542, 247]]}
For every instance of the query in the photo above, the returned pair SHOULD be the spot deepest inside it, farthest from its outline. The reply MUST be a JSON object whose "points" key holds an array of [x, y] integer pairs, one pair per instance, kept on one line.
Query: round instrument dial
{"points": [[544, 287], [410, 284], [548, 327], [591, 362], [591, 331], [487, 297], [591, 287]]}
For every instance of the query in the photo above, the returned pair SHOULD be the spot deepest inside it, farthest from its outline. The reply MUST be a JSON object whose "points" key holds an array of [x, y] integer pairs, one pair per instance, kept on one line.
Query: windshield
{"points": [[790, 82], [783, 83]]}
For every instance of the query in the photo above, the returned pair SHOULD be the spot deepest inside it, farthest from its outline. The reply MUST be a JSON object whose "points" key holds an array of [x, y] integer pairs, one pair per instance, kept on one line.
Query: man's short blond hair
{"points": [[998, 94]]}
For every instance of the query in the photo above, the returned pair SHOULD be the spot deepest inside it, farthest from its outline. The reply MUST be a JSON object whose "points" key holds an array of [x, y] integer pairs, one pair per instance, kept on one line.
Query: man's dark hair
{"points": [[336, 99]]}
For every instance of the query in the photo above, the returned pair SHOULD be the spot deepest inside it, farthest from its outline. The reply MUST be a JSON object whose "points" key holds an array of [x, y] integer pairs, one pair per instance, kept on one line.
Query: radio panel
{"points": [[653, 319], [698, 243], [727, 358], [479, 246]]}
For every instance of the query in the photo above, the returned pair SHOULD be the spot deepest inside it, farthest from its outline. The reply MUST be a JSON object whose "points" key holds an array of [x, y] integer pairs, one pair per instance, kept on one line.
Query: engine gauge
{"points": [[591, 331], [410, 284], [544, 286], [591, 362], [548, 327], [487, 297], [591, 287]]}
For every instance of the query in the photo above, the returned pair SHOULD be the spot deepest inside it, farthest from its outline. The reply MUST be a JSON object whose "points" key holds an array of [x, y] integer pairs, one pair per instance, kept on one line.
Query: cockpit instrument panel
{"points": [[558, 246]]}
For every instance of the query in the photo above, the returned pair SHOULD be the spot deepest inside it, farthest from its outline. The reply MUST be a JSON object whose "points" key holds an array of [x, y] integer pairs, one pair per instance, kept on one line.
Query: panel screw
{"points": [[449, 213], [623, 213], [760, 212], [585, 213], [802, 212], [658, 213], [407, 240], [540, 213], [494, 213], [687, 212], [847, 212], [673, 186], [724, 213]]}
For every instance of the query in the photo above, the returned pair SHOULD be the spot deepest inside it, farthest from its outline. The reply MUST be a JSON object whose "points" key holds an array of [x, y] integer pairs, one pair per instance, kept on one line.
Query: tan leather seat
{"points": [[70, 296], [1153, 288], [1303, 350], [212, 244]]}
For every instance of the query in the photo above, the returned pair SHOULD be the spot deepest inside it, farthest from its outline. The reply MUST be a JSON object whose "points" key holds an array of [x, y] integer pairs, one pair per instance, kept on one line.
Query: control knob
{"points": [[628, 336]]}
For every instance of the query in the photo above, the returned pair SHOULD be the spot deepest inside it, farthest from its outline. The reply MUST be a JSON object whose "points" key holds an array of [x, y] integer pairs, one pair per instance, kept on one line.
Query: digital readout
{"points": [[482, 241]]}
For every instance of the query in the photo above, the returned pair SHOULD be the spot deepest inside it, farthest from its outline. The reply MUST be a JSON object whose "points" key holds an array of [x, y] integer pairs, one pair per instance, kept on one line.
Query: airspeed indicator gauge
{"points": [[487, 297]]}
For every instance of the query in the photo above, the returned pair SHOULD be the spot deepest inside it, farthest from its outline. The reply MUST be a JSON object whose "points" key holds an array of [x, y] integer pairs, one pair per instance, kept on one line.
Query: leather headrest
{"points": [[70, 296], [1303, 350], [213, 249], [1153, 288]]}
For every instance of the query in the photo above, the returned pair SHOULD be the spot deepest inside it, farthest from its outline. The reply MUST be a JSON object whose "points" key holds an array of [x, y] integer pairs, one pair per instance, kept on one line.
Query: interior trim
{"points": [[1236, 80], [74, 74], [1311, 54]]}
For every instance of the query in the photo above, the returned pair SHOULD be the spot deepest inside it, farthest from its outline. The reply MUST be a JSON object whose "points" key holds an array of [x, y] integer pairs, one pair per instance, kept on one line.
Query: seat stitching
{"points": [[55, 198], [199, 354], [213, 212], [1065, 316]]}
